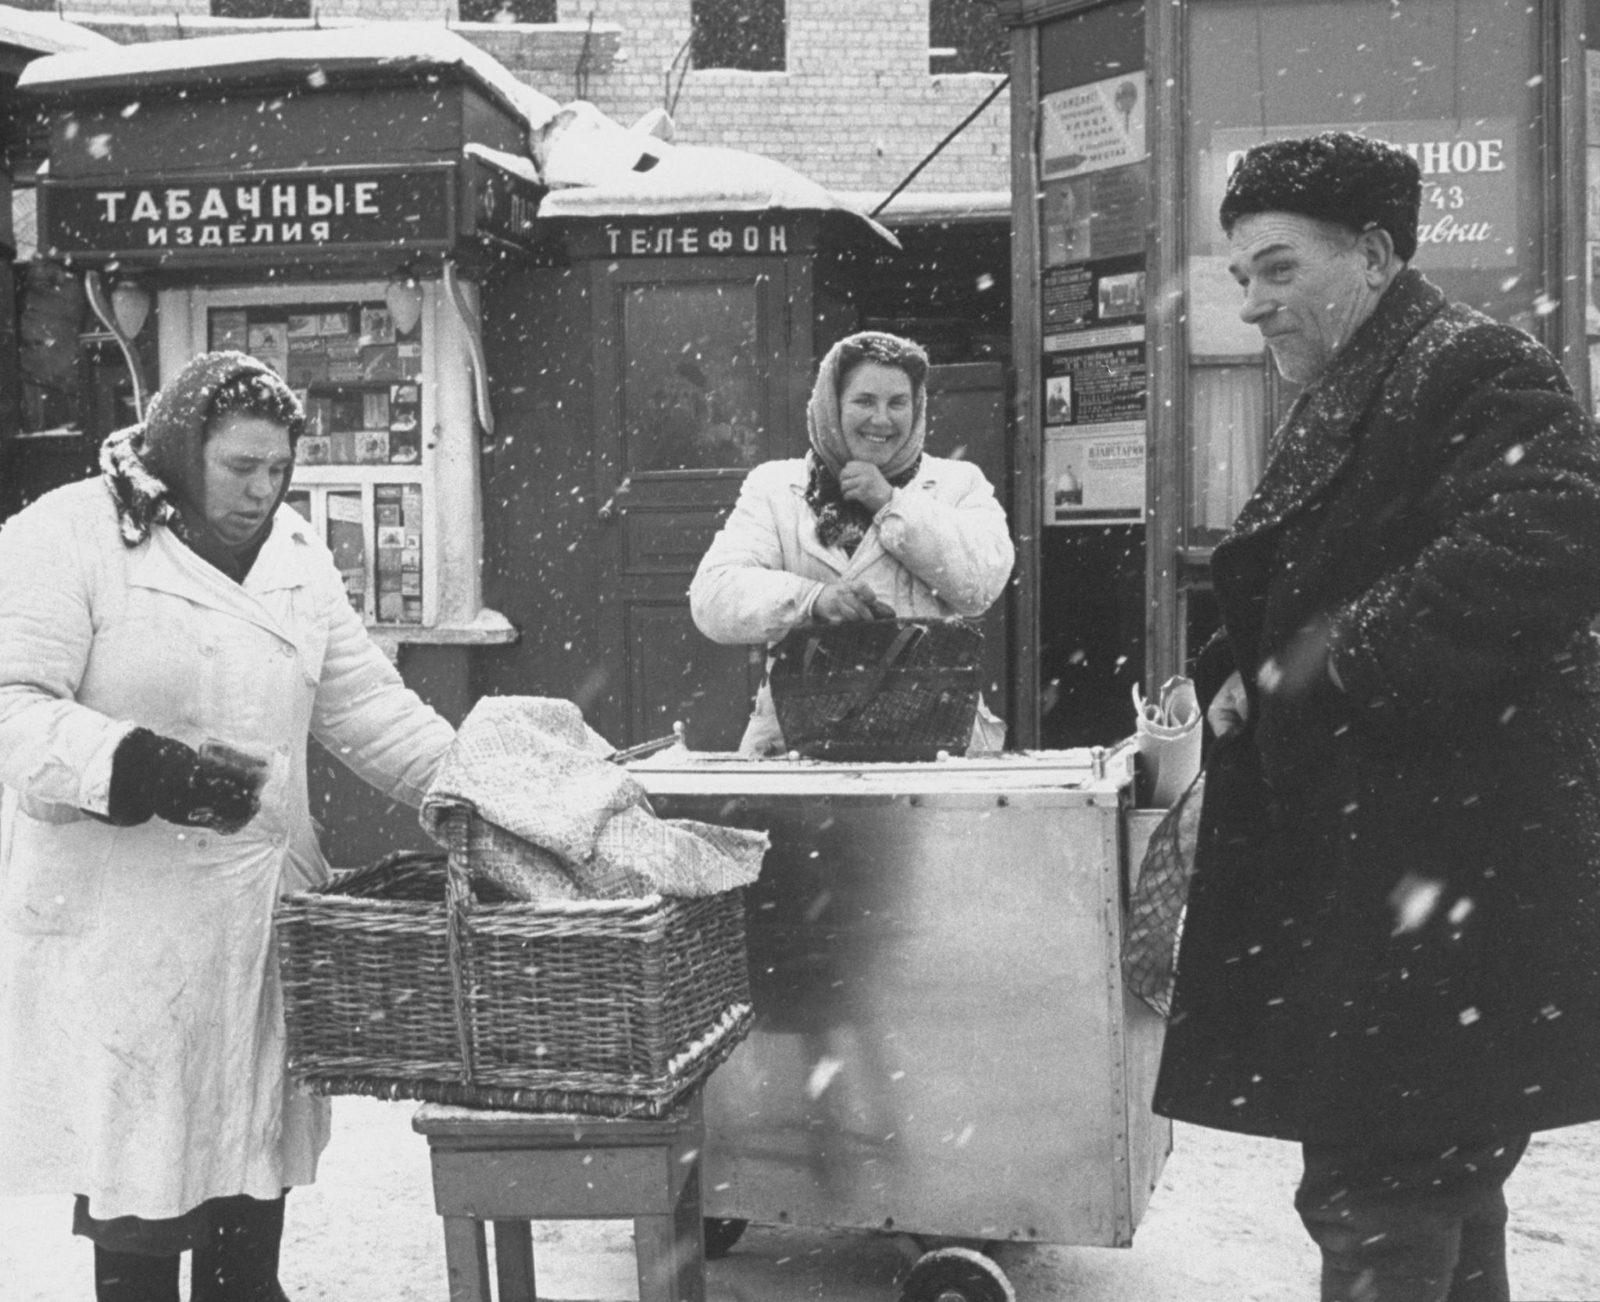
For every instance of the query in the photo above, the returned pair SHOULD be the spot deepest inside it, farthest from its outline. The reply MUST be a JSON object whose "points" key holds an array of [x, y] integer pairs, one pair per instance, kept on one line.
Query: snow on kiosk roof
{"points": [[677, 179], [45, 33], [333, 53]]}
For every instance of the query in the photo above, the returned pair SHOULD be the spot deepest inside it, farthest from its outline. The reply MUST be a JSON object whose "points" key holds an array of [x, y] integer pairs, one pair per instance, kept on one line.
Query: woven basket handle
{"points": [[458, 903], [904, 639]]}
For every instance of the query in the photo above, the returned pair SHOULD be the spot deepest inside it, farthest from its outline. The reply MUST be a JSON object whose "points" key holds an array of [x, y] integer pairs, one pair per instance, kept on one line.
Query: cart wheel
{"points": [[721, 1234], [956, 1275]]}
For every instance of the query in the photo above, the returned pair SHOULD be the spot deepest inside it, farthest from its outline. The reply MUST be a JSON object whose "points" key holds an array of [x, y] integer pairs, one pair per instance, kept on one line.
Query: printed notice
{"points": [[1107, 384], [1093, 127], [1095, 476]]}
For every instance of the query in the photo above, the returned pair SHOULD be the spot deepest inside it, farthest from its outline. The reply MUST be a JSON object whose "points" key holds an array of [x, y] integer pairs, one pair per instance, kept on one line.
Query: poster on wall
{"points": [[1094, 475], [1470, 177], [1092, 127], [1103, 215], [1091, 386], [1083, 295]]}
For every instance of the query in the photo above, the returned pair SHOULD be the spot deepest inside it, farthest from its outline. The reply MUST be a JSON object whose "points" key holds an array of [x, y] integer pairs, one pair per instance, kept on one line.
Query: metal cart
{"points": [[943, 1046]]}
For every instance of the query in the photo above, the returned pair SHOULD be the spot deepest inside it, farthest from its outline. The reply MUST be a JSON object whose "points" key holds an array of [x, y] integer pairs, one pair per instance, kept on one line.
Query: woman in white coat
{"points": [[865, 525], [171, 603]]}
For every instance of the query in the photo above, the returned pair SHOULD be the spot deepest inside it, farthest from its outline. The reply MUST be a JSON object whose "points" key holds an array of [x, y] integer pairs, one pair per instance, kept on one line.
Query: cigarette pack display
{"points": [[375, 409], [229, 330], [399, 556], [312, 450], [381, 362], [372, 447], [347, 542], [405, 446], [269, 344], [319, 415], [377, 326], [346, 411], [342, 447], [308, 363]]}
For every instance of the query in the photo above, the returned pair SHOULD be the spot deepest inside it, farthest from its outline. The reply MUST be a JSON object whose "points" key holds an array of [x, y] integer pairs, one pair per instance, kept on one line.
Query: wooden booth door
{"points": [[695, 384]]}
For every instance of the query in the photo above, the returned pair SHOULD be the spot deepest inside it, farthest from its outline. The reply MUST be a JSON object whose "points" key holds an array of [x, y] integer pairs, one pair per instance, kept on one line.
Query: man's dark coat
{"points": [[1393, 933]]}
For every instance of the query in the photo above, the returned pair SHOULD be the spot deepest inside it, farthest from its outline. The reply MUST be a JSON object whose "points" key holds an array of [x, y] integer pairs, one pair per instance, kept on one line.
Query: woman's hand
{"points": [[1229, 710], [863, 482], [841, 603]]}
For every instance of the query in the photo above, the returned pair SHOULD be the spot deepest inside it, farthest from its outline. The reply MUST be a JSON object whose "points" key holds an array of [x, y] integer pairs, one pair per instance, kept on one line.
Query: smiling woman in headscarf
{"points": [[865, 525], [173, 601]]}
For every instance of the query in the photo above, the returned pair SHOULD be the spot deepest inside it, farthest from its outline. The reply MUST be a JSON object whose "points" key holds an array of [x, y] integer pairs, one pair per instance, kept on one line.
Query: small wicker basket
{"points": [[881, 689], [398, 983]]}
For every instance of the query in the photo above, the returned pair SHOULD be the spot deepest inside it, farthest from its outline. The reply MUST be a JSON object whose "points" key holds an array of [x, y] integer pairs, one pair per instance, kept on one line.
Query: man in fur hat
{"points": [[1390, 949]]}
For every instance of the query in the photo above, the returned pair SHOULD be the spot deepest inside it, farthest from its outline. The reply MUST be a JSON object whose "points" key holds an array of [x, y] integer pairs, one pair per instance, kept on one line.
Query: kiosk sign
{"points": [[342, 207], [1470, 183]]}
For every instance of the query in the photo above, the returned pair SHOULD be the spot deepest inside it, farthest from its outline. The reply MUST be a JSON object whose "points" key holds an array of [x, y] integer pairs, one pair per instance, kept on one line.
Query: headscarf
{"points": [[840, 521], [155, 471]]}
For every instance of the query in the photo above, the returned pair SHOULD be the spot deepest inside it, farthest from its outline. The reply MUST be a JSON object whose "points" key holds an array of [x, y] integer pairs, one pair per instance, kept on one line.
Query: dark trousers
{"points": [[235, 1259], [1424, 1226]]}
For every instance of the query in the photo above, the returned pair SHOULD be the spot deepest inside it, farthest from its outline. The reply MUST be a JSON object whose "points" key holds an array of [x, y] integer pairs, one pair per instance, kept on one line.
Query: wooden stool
{"points": [[513, 1167]]}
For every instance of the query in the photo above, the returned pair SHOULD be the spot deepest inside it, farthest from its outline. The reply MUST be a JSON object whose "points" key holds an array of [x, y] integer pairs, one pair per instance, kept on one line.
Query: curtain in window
{"points": [[1227, 403]]}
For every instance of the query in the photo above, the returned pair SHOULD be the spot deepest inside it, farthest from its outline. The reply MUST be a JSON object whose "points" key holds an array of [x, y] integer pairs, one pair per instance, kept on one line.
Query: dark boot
{"points": [[238, 1260], [134, 1277]]}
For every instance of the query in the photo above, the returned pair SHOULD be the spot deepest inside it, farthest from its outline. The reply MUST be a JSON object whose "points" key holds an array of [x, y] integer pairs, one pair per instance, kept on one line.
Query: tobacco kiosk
{"points": [[333, 215]]}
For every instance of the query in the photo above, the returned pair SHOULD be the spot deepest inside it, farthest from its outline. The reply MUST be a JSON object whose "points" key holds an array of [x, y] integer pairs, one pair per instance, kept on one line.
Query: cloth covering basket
{"points": [[398, 983], [878, 690]]}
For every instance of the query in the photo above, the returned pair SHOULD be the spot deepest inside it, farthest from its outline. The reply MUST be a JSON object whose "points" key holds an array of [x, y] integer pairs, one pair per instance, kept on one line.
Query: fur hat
{"points": [[1349, 180]]}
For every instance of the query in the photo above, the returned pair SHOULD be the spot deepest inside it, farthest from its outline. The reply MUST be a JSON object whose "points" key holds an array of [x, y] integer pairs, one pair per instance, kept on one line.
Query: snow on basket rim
{"points": [[365, 45]]}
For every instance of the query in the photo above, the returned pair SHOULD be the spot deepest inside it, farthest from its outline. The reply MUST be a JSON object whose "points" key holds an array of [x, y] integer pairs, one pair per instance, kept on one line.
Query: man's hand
{"points": [[1229, 710], [840, 603], [863, 482]]}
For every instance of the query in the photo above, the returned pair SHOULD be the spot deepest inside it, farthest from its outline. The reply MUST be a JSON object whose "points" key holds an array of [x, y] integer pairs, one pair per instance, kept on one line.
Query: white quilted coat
{"points": [[141, 1026], [940, 547]]}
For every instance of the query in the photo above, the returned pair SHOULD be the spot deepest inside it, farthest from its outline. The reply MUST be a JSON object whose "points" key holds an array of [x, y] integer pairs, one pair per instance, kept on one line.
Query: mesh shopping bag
{"points": [[1155, 907]]}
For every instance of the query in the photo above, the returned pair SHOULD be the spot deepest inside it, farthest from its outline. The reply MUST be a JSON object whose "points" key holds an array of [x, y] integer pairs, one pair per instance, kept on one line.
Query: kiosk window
{"points": [[747, 34], [508, 11], [359, 379], [692, 379], [261, 8], [964, 37]]}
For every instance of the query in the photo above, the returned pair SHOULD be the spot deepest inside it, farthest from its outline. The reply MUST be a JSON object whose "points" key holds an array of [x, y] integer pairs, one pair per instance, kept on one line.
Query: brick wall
{"points": [[855, 108]]}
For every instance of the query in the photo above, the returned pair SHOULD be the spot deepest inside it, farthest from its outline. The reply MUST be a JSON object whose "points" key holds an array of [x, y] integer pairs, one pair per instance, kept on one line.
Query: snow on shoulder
{"points": [[326, 51]]}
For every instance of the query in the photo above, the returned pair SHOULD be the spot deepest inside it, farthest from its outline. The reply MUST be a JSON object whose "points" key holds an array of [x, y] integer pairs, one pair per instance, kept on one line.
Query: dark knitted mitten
{"points": [[155, 776]]}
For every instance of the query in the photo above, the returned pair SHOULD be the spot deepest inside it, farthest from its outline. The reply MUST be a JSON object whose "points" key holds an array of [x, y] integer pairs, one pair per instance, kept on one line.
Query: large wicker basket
{"points": [[882, 689], [398, 983]]}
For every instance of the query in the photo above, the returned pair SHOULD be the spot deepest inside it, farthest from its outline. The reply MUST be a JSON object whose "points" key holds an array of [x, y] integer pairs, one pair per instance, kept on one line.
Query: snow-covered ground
{"points": [[1220, 1229]]}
